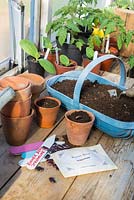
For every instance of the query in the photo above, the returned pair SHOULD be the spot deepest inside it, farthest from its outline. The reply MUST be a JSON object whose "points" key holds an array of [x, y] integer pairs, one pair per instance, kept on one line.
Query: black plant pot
{"points": [[72, 52], [34, 66]]}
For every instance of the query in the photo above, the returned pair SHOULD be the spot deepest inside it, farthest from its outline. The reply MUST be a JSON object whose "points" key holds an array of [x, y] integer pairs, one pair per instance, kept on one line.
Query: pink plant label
{"points": [[36, 158]]}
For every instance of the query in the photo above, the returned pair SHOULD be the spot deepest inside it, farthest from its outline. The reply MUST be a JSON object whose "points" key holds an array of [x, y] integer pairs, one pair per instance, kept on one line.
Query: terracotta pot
{"points": [[60, 69], [107, 64], [46, 117], [96, 69], [20, 85], [17, 108], [51, 56], [16, 130], [77, 133], [37, 82]]}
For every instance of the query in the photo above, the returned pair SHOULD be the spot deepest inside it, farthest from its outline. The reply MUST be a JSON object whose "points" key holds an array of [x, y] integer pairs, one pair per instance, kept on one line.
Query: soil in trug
{"points": [[47, 103], [96, 96], [79, 117]]}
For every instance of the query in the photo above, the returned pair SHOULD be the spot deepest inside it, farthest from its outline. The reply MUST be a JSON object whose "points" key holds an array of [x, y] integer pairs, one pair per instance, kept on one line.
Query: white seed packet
{"points": [[82, 160]]}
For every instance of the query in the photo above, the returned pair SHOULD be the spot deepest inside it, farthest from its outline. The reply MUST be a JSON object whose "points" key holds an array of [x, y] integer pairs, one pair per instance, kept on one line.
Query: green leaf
{"points": [[131, 61], [128, 37], [96, 40], [89, 52], [47, 43], [110, 28], [79, 44], [72, 26], [48, 66], [29, 48], [62, 33], [48, 27], [64, 60], [78, 21], [121, 40], [119, 43]]}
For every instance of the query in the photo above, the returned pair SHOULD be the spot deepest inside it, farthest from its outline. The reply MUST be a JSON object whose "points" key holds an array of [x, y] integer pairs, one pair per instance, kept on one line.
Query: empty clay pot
{"points": [[17, 108], [77, 133], [20, 85], [46, 117], [37, 82], [16, 130]]}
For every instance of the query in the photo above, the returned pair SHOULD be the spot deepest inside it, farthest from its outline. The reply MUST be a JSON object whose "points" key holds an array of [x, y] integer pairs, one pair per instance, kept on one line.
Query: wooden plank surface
{"points": [[112, 185], [8, 163], [36, 185]]}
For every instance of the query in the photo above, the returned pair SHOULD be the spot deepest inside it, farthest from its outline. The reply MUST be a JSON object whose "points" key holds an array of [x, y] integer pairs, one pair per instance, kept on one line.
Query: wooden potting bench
{"points": [[17, 183]]}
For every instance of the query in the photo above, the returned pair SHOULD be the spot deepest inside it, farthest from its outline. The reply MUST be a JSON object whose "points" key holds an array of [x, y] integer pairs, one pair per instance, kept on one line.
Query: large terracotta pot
{"points": [[60, 69], [46, 117], [77, 133], [17, 108], [16, 130]]}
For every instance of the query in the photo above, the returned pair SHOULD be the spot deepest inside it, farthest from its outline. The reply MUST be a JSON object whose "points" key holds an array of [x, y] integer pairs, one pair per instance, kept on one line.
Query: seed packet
{"points": [[83, 160]]}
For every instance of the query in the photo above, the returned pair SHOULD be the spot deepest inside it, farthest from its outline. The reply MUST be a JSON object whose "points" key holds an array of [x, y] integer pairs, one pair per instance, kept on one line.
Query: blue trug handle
{"points": [[85, 72]]}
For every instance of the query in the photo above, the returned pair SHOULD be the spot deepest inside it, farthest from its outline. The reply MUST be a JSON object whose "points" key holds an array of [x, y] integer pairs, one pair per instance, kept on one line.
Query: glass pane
{"points": [[4, 30], [27, 16]]}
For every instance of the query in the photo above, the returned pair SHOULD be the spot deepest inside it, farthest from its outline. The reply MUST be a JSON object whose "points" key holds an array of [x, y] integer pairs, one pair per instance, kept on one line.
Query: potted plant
{"points": [[78, 126], [125, 9], [50, 51], [37, 64], [65, 64], [104, 26], [70, 22], [46, 111], [130, 72]]}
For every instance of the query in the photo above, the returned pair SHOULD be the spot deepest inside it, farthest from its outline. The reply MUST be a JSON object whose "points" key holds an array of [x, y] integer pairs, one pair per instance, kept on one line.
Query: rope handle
{"points": [[89, 67]]}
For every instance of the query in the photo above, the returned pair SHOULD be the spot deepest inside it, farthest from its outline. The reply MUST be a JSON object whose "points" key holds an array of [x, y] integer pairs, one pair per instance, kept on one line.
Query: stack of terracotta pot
{"points": [[37, 84], [16, 115]]}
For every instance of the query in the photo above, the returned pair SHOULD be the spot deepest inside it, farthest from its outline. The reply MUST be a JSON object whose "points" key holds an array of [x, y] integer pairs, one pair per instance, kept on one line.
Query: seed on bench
{"points": [[52, 180]]}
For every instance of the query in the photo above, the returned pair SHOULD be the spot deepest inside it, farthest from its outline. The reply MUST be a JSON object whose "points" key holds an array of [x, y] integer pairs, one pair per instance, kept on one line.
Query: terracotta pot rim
{"points": [[74, 64], [15, 118], [75, 110], [10, 81], [37, 81], [47, 97]]}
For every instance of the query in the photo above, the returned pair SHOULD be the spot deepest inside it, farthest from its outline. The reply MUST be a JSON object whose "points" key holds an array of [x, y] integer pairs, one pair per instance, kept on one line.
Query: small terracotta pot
{"points": [[96, 69], [60, 69], [17, 108], [46, 117], [20, 85], [16, 130], [77, 133]]}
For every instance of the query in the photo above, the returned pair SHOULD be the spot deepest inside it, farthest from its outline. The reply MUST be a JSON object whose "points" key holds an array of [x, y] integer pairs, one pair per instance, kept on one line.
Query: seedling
{"points": [[30, 48], [64, 60]]}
